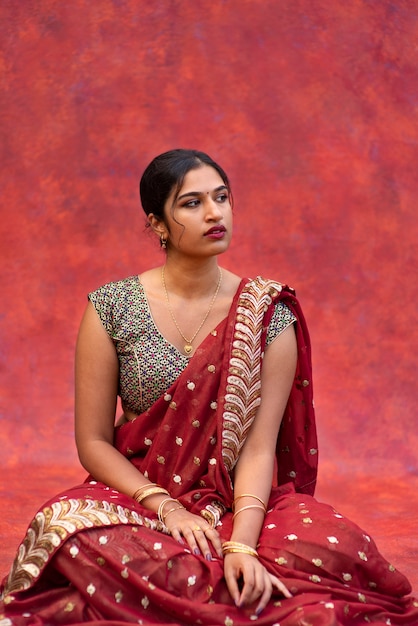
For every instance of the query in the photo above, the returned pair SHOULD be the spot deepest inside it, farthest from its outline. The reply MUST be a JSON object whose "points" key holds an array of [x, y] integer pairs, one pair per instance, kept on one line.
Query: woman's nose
{"points": [[213, 210]]}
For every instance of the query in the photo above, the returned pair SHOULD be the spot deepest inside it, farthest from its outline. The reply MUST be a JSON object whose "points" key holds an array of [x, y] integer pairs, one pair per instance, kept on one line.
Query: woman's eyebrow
{"points": [[201, 193]]}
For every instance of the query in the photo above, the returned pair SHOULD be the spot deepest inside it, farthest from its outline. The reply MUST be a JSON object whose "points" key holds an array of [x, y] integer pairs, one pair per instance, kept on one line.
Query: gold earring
{"points": [[163, 242]]}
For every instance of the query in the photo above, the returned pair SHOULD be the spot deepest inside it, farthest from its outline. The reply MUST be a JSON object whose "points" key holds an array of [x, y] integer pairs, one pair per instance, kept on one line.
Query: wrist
{"points": [[153, 502]]}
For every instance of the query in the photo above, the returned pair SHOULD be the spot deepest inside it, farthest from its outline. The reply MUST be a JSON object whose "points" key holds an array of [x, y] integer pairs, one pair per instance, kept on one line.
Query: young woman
{"points": [[198, 508]]}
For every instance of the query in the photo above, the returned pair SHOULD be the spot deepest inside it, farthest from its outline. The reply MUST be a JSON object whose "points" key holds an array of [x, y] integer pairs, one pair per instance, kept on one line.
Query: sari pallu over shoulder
{"points": [[190, 439], [297, 448]]}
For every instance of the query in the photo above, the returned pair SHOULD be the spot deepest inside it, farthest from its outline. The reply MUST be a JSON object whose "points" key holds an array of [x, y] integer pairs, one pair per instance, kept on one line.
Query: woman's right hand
{"points": [[185, 527], [248, 581]]}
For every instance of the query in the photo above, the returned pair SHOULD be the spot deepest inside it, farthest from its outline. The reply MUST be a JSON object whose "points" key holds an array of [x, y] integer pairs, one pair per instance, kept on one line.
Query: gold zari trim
{"points": [[244, 380], [54, 525]]}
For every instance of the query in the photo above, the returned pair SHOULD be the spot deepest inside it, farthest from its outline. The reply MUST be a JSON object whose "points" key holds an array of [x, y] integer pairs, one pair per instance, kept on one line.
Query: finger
{"points": [[266, 593], [201, 539], [176, 534], [189, 535], [212, 535], [231, 577], [276, 582], [253, 583]]}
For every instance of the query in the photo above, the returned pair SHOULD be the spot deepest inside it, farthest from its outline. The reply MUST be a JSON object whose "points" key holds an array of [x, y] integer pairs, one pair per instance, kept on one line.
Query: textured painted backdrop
{"points": [[312, 109]]}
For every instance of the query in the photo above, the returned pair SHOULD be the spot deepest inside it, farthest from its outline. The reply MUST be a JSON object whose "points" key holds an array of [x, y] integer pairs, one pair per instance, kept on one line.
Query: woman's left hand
{"points": [[257, 582]]}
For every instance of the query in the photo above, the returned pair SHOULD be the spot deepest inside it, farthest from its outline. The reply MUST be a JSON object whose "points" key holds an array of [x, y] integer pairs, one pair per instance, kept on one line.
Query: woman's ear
{"points": [[157, 226]]}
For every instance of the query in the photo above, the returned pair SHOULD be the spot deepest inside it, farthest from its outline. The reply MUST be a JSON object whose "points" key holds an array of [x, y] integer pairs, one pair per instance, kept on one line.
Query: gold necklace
{"points": [[188, 345]]}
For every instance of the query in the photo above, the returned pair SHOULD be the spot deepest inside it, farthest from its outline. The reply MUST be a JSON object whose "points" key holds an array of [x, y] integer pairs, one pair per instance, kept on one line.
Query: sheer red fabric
{"points": [[93, 555]]}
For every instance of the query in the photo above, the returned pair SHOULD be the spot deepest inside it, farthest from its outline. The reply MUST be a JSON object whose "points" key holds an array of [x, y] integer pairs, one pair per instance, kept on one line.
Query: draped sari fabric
{"points": [[94, 555]]}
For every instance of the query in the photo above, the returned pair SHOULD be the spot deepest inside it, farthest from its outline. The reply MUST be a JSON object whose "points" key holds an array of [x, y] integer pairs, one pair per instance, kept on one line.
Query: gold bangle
{"points": [[150, 492], [237, 547], [249, 506], [175, 508], [160, 508], [162, 504], [249, 495], [239, 551], [146, 486]]}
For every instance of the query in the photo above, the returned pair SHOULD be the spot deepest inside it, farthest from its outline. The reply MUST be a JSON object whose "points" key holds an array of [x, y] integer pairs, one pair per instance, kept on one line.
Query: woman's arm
{"points": [[96, 382], [96, 386], [254, 471]]}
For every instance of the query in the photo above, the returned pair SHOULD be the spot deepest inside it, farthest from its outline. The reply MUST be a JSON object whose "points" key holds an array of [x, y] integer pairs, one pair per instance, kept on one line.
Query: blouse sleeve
{"points": [[101, 299], [281, 319]]}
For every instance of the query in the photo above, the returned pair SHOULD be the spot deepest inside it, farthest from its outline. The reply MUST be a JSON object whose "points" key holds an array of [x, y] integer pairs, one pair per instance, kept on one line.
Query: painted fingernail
{"points": [[196, 551], [208, 556]]}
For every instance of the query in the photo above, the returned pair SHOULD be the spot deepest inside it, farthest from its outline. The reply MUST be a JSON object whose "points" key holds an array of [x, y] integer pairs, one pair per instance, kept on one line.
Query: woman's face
{"points": [[199, 217]]}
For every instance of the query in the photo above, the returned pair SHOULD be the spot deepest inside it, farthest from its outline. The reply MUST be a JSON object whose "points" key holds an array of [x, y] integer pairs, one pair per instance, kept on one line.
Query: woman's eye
{"points": [[191, 203], [222, 198]]}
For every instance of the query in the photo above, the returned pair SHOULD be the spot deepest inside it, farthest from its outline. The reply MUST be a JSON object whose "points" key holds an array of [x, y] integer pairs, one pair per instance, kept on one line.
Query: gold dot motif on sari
{"points": [[332, 540], [315, 579], [91, 589], [74, 551]]}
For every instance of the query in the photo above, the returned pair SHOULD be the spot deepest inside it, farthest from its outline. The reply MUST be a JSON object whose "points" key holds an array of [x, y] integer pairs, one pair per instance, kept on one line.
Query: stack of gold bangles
{"points": [[151, 489], [229, 547]]}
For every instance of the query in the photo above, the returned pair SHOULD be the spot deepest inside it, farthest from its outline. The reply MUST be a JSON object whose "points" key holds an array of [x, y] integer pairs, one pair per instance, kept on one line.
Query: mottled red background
{"points": [[312, 108]]}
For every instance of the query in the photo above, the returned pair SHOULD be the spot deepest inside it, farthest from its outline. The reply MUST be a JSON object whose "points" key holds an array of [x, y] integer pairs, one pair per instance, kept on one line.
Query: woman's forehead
{"points": [[202, 179]]}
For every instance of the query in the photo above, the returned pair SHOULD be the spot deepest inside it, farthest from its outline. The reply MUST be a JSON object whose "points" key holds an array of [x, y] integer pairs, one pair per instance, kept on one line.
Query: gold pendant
{"points": [[188, 348]]}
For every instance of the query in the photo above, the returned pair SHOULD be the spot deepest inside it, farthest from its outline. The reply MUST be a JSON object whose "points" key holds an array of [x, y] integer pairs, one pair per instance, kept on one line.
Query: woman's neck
{"points": [[191, 280]]}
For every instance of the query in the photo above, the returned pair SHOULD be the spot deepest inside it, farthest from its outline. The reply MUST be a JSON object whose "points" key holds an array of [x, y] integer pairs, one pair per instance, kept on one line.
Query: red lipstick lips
{"points": [[216, 232]]}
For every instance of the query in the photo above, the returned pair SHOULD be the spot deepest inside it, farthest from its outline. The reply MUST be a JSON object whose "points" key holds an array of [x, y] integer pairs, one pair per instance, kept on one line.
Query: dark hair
{"points": [[166, 172]]}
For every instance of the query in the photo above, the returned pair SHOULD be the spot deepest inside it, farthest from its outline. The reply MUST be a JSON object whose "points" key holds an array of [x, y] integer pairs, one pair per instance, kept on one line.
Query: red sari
{"points": [[93, 555]]}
